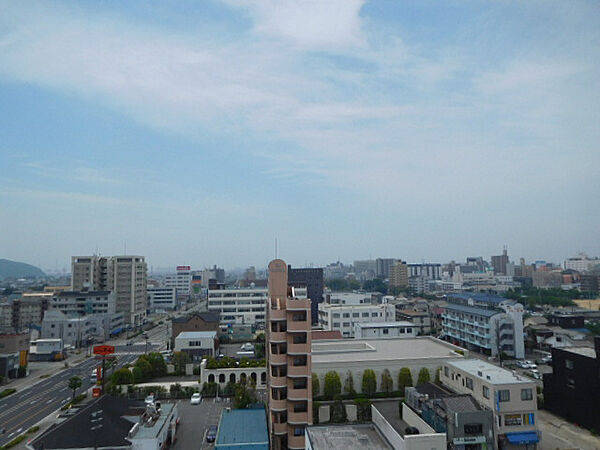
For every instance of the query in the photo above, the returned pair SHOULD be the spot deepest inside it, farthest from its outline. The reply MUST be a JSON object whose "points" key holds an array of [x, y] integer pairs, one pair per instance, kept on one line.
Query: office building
{"points": [[510, 396], [181, 280], [214, 274], [399, 275], [83, 303], [312, 280], [484, 323], [572, 390], [125, 276], [384, 330], [343, 317], [289, 378], [161, 298], [239, 306], [499, 262]]}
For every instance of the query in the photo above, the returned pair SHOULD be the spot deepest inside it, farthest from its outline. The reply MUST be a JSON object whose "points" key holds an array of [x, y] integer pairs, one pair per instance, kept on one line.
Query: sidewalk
{"points": [[43, 369]]}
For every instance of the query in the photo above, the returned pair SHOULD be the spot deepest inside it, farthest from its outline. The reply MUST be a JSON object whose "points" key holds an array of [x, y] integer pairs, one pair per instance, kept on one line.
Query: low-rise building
{"points": [[572, 390], [14, 353], [356, 355], [381, 330], [47, 350], [243, 429], [81, 331], [421, 320], [224, 375], [511, 397], [207, 321], [197, 344], [343, 317]]}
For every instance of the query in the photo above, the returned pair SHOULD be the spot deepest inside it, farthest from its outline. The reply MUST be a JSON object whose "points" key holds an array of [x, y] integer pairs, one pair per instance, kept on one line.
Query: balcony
{"points": [[297, 417], [278, 336], [280, 428], [298, 326], [277, 314], [278, 405], [279, 381], [298, 371], [298, 349], [297, 304], [295, 442], [277, 359], [297, 394]]}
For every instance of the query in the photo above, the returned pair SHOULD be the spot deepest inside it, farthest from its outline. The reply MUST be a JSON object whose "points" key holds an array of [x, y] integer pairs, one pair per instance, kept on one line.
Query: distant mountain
{"points": [[14, 269]]}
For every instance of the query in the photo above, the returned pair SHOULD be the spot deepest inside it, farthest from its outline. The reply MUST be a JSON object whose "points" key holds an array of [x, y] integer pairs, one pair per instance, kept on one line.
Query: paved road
{"points": [[26, 407]]}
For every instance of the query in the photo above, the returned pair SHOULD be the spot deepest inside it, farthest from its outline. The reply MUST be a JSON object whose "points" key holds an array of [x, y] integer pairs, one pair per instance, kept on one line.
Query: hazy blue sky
{"points": [[198, 132]]}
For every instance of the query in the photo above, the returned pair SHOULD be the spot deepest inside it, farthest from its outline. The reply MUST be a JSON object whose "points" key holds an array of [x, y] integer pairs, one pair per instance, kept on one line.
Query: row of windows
{"points": [[365, 314], [503, 394]]}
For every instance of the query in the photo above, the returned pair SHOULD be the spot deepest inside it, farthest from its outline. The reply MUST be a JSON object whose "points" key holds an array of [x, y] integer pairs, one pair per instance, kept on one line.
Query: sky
{"points": [[201, 132]]}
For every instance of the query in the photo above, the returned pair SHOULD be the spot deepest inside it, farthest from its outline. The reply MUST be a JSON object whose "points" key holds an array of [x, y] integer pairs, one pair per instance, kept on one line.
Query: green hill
{"points": [[14, 269]]}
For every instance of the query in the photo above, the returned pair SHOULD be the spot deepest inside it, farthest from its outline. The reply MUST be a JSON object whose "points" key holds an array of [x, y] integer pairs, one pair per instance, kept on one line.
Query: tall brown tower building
{"points": [[290, 370]]}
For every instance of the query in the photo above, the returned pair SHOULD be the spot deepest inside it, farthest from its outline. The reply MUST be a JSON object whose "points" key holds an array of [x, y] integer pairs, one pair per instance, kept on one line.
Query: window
{"points": [[526, 394], [469, 382], [571, 383], [298, 431], [473, 428], [504, 395], [300, 360], [569, 363], [300, 383], [365, 314], [346, 324], [336, 315], [447, 372], [355, 314], [336, 324], [299, 338], [386, 331], [300, 407], [373, 314], [512, 420], [346, 315]]}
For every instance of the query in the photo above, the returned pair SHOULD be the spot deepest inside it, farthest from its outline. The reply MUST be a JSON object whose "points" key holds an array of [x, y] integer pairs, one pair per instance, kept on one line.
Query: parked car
{"points": [[211, 434], [196, 399], [531, 364], [546, 360], [247, 347], [149, 400]]}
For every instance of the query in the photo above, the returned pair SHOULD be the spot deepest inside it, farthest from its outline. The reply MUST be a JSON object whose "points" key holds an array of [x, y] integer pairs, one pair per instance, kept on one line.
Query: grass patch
{"points": [[7, 392], [14, 442], [33, 429]]}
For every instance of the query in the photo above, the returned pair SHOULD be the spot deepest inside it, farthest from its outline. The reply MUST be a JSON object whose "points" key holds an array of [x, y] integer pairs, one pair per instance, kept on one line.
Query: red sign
{"points": [[104, 349], [186, 268], [96, 392]]}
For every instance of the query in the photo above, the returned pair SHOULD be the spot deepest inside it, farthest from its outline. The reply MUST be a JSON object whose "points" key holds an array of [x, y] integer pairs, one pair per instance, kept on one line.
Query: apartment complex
{"points": [[289, 380], [20, 315], [125, 276], [511, 397], [239, 306], [399, 275], [485, 323], [81, 303], [343, 317]]}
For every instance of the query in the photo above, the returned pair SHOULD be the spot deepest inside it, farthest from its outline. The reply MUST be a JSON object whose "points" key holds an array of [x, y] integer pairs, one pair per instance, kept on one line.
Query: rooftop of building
{"points": [[477, 297], [384, 324], [472, 310], [79, 293], [205, 316], [345, 437], [243, 426], [489, 372], [321, 335], [409, 312], [382, 349], [196, 335], [390, 410], [589, 352]]}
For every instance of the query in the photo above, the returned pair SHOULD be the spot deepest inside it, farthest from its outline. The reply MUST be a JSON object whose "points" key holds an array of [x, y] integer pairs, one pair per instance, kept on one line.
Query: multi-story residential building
{"points": [[343, 317], [20, 315], [383, 266], [312, 280], [160, 298], [289, 380], [511, 397], [384, 330], [582, 263], [420, 320], [572, 390], [181, 280], [239, 306], [83, 303], [399, 275], [80, 331], [484, 323], [430, 271], [125, 276]]}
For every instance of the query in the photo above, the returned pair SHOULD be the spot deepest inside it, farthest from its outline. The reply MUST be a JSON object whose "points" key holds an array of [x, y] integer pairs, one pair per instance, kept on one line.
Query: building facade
{"points": [[511, 397], [399, 275], [181, 280], [160, 298], [239, 306], [83, 303], [343, 317], [312, 280], [384, 330], [197, 344], [80, 331], [289, 377], [125, 276]]}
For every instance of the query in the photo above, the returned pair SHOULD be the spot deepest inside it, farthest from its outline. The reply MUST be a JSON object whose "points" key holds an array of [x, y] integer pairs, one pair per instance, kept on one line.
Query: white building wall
{"points": [[343, 317], [239, 306]]}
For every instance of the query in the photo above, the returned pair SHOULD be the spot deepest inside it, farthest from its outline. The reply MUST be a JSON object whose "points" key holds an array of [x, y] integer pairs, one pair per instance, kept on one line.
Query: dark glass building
{"points": [[313, 280]]}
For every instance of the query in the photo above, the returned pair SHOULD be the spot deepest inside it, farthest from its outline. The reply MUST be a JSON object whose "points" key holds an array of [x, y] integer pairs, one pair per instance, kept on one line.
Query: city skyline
{"points": [[342, 129]]}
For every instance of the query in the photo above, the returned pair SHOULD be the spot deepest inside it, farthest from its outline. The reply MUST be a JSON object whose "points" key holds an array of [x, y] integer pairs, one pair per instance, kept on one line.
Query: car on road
{"points": [[211, 434], [196, 399], [531, 364], [149, 400]]}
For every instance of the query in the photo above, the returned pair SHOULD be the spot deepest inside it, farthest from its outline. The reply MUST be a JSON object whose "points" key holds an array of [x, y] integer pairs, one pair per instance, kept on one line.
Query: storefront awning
{"points": [[116, 330], [526, 437]]}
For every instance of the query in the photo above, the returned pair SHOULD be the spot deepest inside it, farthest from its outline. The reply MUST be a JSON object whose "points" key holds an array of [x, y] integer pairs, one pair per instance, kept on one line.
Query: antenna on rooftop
{"points": [[124, 247], [275, 248]]}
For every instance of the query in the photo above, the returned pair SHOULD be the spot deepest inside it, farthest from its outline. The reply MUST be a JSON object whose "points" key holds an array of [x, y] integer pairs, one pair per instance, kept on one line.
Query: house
{"points": [[197, 344], [206, 321]]}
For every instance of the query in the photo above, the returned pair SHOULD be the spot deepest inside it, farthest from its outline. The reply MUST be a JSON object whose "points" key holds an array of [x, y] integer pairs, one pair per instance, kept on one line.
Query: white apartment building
{"points": [[76, 303], [581, 263], [512, 398], [383, 330], [161, 298], [125, 276], [343, 317], [181, 280], [239, 306]]}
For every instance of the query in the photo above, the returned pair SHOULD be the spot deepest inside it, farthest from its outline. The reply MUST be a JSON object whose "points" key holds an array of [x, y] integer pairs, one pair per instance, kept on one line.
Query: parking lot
{"points": [[195, 420]]}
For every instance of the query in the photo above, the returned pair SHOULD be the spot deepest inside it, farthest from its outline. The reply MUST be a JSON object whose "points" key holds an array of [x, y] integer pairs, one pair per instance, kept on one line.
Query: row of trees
{"points": [[145, 368], [332, 383]]}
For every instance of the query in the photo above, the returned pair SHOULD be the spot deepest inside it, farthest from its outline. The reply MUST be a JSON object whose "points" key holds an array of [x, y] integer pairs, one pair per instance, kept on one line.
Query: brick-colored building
{"points": [[206, 321]]}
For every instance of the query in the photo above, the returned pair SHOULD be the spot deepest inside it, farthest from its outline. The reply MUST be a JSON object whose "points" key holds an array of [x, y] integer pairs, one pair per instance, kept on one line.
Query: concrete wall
{"points": [[387, 430]]}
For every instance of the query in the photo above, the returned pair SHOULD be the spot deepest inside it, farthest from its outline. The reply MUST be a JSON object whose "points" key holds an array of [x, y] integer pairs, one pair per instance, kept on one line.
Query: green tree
{"points": [[122, 376], [349, 384], [338, 412], [179, 360], [145, 367], [74, 384], [157, 361], [332, 385], [423, 376], [244, 395], [138, 375], [316, 386], [404, 379], [369, 382], [337, 284], [387, 383], [175, 390]]}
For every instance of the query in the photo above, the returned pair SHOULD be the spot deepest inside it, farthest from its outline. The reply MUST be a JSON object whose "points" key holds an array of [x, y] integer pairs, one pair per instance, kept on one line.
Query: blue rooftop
{"points": [[472, 310], [243, 429], [477, 297]]}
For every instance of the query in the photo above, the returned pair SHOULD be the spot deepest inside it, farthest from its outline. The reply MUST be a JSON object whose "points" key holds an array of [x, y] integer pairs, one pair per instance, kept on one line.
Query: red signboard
{"points": [[185, 268], [104, 349], [96, 392]]}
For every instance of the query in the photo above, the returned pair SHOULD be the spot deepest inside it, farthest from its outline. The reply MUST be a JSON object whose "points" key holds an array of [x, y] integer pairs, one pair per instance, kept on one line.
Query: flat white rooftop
{"points": [[590, 352], [342, 350], [489, 372], [196, 334], [346, 437], [385, 324]]}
